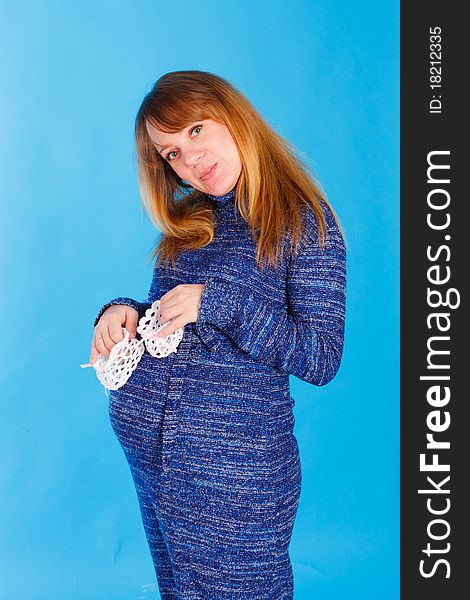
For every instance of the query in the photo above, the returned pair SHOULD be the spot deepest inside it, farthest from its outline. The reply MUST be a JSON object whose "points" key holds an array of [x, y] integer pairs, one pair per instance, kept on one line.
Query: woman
{"points": [[252, 264]]}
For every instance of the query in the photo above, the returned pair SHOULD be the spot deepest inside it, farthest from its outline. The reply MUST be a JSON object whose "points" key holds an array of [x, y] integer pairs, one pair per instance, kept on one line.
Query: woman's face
{"points": [[204, 154]]}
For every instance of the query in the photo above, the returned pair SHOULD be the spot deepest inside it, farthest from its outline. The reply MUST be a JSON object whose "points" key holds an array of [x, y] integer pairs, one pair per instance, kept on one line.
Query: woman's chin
{"points": [[219, 190]]}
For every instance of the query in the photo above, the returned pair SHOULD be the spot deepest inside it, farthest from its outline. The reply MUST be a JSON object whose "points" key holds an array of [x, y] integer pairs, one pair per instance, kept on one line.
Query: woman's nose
{"points": [[192, 158]]}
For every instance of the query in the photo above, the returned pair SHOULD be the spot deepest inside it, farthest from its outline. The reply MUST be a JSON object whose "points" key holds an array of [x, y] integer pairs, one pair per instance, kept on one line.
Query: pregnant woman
{"points": [[251, 264]]}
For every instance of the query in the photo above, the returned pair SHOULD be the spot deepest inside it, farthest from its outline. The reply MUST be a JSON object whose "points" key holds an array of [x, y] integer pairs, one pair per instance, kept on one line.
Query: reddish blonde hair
{"points": [[272, 185]]}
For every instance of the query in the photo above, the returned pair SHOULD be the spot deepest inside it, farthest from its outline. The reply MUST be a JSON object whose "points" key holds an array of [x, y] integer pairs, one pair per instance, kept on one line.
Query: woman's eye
{"points": [[168, 156], [198, 128]]}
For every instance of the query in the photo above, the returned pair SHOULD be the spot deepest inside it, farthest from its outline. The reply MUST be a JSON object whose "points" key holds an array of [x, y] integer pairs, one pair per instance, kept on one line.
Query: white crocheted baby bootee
{"points": [[114, 371], [149, 325]]}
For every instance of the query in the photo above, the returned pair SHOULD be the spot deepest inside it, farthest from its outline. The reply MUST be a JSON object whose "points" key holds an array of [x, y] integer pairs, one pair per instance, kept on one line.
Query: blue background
{"points": [[325, 74]]}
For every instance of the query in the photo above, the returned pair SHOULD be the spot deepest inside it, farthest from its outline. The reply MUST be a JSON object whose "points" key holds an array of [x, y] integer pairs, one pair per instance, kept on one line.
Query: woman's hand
{"points": [[108, 330], [180, 306]]}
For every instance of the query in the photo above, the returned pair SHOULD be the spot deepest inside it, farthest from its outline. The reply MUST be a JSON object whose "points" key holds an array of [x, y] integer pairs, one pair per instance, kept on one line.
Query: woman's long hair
{"points": [[272, 185]]}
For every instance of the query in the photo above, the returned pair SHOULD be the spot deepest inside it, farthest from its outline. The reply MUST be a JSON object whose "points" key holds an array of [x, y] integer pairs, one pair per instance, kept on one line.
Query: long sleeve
{"points": [[140, 306], [305, 338]]}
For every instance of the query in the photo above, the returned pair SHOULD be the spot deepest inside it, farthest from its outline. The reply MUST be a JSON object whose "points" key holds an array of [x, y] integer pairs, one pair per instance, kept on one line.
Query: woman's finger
{"points": [[105, 336], [169, 294], [94, 352], [131, 322], [115, 331], [171, 327], [99, 345], [171, 312]]}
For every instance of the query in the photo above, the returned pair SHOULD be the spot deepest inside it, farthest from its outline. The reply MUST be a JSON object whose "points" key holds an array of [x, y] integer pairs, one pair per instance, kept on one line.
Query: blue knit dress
{"points": [[208, 431]]}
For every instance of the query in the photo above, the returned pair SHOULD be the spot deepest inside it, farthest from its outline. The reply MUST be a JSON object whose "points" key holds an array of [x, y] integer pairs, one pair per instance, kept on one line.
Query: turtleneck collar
{"points": [[228, 196]]}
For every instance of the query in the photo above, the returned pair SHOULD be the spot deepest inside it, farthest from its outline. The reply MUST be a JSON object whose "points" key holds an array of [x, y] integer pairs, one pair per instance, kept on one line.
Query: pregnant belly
{"points": [[136, 409]]}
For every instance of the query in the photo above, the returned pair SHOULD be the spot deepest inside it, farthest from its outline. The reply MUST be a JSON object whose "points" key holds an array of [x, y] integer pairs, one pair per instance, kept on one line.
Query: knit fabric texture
{"points": [[208, 431]]}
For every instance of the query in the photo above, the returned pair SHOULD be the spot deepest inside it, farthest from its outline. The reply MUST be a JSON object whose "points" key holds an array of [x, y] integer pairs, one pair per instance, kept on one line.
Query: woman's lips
{"points": [[209, 174]]}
